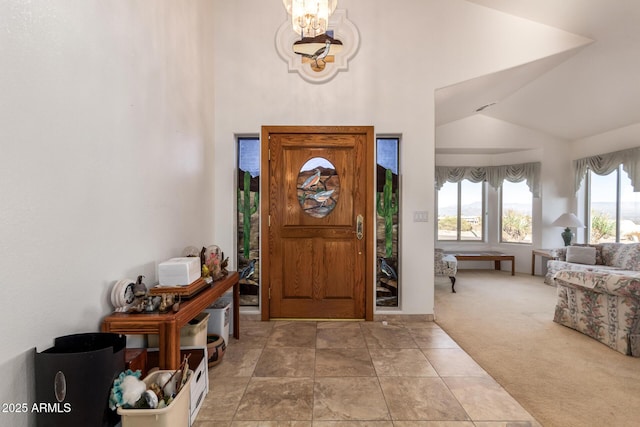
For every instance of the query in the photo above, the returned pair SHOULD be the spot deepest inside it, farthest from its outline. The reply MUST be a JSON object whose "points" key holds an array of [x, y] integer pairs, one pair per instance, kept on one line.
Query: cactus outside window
{"points": [[318, 187], [387, 222], [248, 219]]}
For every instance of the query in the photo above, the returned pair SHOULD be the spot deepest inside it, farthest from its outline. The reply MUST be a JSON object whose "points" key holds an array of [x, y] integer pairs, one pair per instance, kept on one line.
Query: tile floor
{"points": [[339, 374]]}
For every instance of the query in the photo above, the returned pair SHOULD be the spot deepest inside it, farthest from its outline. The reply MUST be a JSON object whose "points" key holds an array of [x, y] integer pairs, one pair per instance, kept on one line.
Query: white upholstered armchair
{"points": [[446, 265]]}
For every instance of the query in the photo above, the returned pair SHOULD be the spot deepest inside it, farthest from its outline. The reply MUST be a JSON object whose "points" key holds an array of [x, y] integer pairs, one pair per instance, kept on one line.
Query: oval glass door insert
{"points": [[318, 187]]}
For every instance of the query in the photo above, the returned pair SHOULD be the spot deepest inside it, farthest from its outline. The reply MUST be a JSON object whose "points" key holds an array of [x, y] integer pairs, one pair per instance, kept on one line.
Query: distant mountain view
{"points": [[475, 209], [629, 210], [467, 210]]}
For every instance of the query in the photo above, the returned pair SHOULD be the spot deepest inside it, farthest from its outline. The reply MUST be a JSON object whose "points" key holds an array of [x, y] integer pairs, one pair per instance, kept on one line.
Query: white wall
{"points": [[408, 50], [105, 115], [607, 142], [501, 143]]}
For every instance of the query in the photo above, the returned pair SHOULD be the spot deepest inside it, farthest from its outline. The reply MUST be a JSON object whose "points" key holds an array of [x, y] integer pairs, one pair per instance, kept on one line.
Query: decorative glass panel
{"points": [[248, 220], [318, 187], [387, 214]]}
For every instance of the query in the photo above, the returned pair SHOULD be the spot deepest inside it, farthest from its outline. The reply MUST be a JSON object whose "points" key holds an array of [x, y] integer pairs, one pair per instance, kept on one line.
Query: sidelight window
{"points": [[387, 221], [248, 217]]}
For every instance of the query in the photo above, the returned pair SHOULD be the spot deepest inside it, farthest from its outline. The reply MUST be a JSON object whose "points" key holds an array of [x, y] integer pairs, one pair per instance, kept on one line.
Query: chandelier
{"points": [[310, 18]]}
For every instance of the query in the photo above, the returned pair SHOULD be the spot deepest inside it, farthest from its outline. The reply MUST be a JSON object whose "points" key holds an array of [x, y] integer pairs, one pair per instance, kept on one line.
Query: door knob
{"points": [[359, 227]]}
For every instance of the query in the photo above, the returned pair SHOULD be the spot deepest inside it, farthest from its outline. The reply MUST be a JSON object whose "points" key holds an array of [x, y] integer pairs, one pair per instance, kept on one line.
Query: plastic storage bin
{"points": [[220, 317], [177, 414], [74, 379], [200, 381], [192, 334]]}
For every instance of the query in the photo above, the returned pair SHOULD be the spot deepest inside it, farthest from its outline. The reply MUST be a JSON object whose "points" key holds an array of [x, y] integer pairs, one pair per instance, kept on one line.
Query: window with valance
{"points": [[612, 195], [494, 175], [514, 210], [604, 164]]}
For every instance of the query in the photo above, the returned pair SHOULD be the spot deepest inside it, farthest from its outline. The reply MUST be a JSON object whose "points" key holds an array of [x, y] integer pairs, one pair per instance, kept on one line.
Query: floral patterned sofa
{"points": [[602, 305], [602, 300], [446, 265], [609, 256]]}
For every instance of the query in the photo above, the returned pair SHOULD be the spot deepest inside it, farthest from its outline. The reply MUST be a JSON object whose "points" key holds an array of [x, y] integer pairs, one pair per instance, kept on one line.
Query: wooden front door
{"points": [[317, 222]]}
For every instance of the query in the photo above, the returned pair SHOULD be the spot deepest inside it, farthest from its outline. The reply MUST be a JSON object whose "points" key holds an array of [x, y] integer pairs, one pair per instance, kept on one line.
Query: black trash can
{"points": [[74, 380]]}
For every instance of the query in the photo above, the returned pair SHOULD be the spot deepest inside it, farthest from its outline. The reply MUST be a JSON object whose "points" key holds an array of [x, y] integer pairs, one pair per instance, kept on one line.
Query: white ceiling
{"points": [[572, 95]]}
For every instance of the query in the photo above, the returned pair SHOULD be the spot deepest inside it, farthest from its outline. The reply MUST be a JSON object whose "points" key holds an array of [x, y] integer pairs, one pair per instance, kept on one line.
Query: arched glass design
{"points": [[318, 187]]}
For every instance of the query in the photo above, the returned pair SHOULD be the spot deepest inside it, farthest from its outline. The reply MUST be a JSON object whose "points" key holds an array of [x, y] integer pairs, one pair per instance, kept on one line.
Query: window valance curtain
{"points": [[604, 164], [494, 175]]}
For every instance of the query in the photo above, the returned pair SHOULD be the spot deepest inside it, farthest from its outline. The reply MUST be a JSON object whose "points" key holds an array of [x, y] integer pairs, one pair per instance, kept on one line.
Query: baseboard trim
{"points": [[376, 318], [407, 318]]}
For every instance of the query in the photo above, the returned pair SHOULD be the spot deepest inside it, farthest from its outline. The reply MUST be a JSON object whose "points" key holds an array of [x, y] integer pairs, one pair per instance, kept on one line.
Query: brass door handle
{"points": [[359, 227]]}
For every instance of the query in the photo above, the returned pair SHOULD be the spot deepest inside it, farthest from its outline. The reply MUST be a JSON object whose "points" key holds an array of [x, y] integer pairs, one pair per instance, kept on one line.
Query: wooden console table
{"points": [[168, 325], [496, 257]]}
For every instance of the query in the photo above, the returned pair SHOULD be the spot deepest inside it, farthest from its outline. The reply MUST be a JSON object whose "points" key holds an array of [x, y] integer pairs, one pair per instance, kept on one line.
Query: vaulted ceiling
{"points": [[572, 95]]}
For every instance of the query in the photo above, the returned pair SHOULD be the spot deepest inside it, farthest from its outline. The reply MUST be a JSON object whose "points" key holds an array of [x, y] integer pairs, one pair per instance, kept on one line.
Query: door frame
{"points": [[369, 258]]}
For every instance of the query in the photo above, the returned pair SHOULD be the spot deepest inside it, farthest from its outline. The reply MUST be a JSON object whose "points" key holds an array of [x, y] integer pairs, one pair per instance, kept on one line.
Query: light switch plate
{"points": [[420, 216]]}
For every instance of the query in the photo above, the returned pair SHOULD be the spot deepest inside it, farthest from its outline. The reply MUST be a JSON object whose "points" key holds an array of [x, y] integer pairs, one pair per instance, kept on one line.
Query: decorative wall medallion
{"points": [[318, 187], [318, 51], [319, 59]]}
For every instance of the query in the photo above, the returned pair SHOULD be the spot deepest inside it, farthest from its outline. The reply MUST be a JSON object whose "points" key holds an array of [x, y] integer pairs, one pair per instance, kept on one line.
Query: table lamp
{"points": [[567, 220]]}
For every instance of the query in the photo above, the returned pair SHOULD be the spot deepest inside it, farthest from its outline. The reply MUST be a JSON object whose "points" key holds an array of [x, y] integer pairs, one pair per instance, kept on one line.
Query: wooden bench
{"points": [[496, 257]]}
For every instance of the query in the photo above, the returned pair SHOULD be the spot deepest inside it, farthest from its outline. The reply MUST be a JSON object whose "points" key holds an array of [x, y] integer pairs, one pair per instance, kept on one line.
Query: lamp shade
{"points": [[568, 220]]}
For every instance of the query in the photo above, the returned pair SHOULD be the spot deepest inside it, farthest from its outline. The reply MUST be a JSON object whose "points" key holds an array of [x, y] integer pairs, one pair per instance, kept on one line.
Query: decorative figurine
{"points": [[214, 261], [165, 303], [139, 288], [223, 265], [151, 303]]}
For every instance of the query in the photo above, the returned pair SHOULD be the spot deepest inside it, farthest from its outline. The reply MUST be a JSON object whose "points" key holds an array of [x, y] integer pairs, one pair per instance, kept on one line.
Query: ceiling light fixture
{"points": [[310, 18]]}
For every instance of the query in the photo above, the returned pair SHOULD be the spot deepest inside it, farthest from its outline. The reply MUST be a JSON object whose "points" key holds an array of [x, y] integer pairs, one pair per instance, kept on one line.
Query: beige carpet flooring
{"points": [[562, 377]]}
